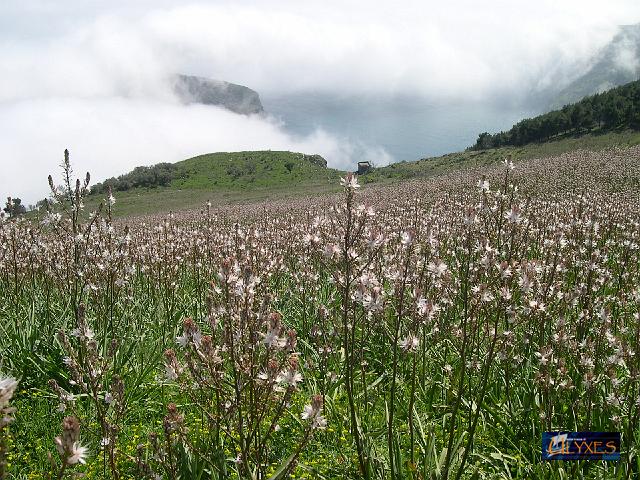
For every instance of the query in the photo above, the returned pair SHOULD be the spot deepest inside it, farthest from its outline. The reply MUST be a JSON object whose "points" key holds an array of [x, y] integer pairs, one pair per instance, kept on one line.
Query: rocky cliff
{"points": [[237, 98]]}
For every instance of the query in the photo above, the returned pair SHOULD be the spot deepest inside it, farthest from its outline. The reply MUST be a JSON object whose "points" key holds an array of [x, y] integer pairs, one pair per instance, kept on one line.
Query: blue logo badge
{"points": [[581, 446]]}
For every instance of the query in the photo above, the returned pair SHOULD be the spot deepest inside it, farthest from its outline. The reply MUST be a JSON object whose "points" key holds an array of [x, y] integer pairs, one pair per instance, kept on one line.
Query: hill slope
{"points": [[221, 178], [433, 166]]}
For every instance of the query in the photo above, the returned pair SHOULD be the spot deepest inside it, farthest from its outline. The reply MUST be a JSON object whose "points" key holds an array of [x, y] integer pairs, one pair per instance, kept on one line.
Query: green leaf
{"points": [[283, 469]]}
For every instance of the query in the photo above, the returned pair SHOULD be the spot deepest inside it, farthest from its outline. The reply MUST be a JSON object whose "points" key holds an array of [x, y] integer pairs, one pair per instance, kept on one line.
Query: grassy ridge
{"points": [[240, 170], [228, 177]]}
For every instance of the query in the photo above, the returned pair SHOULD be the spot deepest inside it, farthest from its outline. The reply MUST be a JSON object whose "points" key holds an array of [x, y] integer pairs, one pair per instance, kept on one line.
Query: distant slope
{"points": [[618, 108], [433, 166], [616, 64], [221, 178], [237, 98]]}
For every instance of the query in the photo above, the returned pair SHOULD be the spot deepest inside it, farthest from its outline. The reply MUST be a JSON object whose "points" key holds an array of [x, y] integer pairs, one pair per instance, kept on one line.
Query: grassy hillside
{"points": [[471, 158], [242, 170], [228, 178], [248, 177]]}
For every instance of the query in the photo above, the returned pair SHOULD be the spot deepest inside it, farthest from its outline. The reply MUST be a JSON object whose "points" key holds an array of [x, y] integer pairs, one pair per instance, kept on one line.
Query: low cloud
{"points": [[110, 136]]}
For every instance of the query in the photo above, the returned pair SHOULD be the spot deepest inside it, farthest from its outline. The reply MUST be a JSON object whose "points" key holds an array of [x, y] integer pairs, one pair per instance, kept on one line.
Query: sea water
{"points": [[406, 128]]}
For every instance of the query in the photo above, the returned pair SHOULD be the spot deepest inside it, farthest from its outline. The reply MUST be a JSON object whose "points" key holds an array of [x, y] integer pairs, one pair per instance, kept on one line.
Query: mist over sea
{"points": [[406, 128]]}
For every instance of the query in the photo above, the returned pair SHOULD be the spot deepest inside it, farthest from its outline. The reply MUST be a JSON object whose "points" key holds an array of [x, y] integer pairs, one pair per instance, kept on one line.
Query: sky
{"points": [[92, 75]]}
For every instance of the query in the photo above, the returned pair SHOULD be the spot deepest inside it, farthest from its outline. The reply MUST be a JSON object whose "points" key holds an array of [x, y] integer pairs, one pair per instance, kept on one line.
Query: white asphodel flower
{"points": [[350, 182], [78, 454], [409, 344], [182, 340], [312, 413], [508, 163], [513, 215], [406, 238], [7, 388], [74, 454], [289, 377], [483, 185], [437, 267], [272, 339], [170, 372]]}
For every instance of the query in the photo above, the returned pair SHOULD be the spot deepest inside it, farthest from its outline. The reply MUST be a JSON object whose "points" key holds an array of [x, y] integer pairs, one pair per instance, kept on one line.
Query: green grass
{"points": [[261, 169], [223, 178]]}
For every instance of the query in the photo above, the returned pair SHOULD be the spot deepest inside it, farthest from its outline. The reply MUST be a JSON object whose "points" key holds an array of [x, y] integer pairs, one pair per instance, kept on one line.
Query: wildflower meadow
{"points": [[426, 329]]}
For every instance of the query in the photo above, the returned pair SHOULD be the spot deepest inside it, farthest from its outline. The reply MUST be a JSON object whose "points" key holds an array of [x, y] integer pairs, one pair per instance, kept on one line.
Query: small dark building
{"points": [[364, 167]]}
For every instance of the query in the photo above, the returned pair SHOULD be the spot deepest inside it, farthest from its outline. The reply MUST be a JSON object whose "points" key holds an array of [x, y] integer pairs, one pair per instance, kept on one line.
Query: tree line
{"points": [[159, 175], [14, 207], [610, 110]]}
